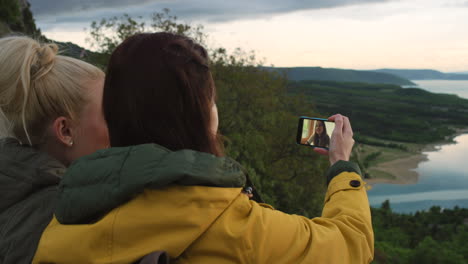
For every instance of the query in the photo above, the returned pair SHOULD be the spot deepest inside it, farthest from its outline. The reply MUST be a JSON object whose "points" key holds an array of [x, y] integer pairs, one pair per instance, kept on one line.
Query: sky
{"points": [[350, 34]]}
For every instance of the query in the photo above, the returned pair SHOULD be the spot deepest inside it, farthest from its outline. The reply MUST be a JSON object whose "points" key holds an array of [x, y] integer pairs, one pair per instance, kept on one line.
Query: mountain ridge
{"points": [[339, 75], [424, 74]]}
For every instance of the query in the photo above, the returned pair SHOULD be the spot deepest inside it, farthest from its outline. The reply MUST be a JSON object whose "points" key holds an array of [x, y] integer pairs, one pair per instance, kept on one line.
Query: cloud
{"points": [[214, 10], [203, 10], [53, 7]]}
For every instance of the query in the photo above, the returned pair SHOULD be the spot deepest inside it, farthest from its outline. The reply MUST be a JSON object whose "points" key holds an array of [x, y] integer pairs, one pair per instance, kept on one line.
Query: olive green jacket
{"points": [[28, 188]]}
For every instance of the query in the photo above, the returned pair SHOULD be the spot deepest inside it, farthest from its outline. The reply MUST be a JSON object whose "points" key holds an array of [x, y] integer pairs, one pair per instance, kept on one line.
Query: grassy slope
{"points": [[369, 161]]}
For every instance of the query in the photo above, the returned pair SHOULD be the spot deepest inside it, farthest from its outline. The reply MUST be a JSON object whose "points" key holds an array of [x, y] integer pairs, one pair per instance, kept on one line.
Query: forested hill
{"points": [[15, 16], [424, 74], [340, 75], [388, 111], [437, 236]]}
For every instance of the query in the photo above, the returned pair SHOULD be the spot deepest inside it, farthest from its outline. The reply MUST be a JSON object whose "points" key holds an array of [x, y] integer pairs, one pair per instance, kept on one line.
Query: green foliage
{"points": [[259, 120], [430, 251], [387, 253], [106, 34], [435, 236], [17, 19], [29, 24], [388, 112], [119, 27], [365, 140], [369, 158], [10, 12]]}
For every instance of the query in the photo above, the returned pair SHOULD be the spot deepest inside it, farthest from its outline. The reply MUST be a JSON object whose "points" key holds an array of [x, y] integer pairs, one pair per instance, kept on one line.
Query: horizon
{"points": [[409, 69], [343, 34]]}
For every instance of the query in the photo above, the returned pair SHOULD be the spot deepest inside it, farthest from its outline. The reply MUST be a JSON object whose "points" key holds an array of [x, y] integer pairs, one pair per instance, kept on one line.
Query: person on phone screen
{"points": [[320, 138], [166, 185]]}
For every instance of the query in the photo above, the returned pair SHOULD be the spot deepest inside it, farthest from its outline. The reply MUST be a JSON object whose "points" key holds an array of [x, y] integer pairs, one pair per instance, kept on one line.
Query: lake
{"points": [[459, 88], [443, 178], [443, 181]]}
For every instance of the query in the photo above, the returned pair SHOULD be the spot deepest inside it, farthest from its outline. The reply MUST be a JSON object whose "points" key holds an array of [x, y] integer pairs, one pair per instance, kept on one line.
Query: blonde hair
{"points": [[37, 86]]}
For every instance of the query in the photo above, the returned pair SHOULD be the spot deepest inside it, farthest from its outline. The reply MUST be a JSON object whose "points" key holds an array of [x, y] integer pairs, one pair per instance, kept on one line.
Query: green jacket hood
{"points": [[98, 183]]}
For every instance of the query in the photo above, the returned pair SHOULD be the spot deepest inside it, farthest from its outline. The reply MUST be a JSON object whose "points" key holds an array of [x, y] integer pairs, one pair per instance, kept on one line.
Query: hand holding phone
{"points": [[314, 132], [341, 140]]}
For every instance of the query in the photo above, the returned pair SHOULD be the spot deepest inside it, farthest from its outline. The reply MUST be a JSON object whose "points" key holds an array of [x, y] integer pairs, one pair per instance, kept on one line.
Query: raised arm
{"points": [[343, 234]]}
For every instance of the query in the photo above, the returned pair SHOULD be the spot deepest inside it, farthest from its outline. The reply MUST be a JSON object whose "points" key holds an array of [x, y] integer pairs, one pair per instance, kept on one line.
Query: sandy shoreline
{"points": [[404, 170]]}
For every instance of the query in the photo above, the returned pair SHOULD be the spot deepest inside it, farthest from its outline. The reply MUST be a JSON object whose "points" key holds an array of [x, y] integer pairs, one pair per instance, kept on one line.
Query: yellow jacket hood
{"points": [[170, 219]]}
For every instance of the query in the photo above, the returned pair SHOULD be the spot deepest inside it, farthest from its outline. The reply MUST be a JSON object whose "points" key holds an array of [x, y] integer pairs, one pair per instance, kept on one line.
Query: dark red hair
{"points": [[159, 89]]}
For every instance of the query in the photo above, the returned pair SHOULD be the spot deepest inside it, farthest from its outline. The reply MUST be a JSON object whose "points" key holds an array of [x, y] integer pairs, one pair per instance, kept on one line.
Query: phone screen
{"points": [[314, 132]]}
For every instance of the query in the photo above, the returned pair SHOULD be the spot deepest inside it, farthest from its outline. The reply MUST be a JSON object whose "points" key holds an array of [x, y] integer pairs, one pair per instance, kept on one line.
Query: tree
{"points": [[430, 251], [106, 34], [386, 206], [10, 12]]}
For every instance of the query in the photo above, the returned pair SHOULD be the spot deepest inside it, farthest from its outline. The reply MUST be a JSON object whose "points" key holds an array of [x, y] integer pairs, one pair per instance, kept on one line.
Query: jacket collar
{"points": [[98, 183]]}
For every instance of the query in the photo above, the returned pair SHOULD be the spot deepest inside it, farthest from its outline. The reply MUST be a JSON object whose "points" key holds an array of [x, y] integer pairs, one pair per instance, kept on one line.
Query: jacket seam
{"points": [[123, 164], [111, 236], [212, 223]]}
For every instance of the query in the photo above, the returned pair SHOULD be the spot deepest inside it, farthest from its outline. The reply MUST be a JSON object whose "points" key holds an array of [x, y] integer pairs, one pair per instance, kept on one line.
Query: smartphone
{"points": [[314, 132]]}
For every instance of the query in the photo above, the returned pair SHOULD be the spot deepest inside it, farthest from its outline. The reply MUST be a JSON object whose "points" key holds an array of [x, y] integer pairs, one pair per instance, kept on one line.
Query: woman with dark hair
{"points": [[320, 137], [165, 185]]}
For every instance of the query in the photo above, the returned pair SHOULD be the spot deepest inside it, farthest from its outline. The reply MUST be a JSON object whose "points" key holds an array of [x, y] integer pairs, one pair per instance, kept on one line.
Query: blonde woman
{"points": [[50, 115]]}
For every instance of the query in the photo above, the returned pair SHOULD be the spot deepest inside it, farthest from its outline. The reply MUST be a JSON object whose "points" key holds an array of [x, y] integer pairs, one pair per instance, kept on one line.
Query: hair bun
{"points": [[45, 60]]}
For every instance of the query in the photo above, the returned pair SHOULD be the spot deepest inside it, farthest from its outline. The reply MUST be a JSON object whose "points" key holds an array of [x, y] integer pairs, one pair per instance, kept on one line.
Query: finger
{"points": [[347, 126], [321, 151], [332, 118], [338, 119]]}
